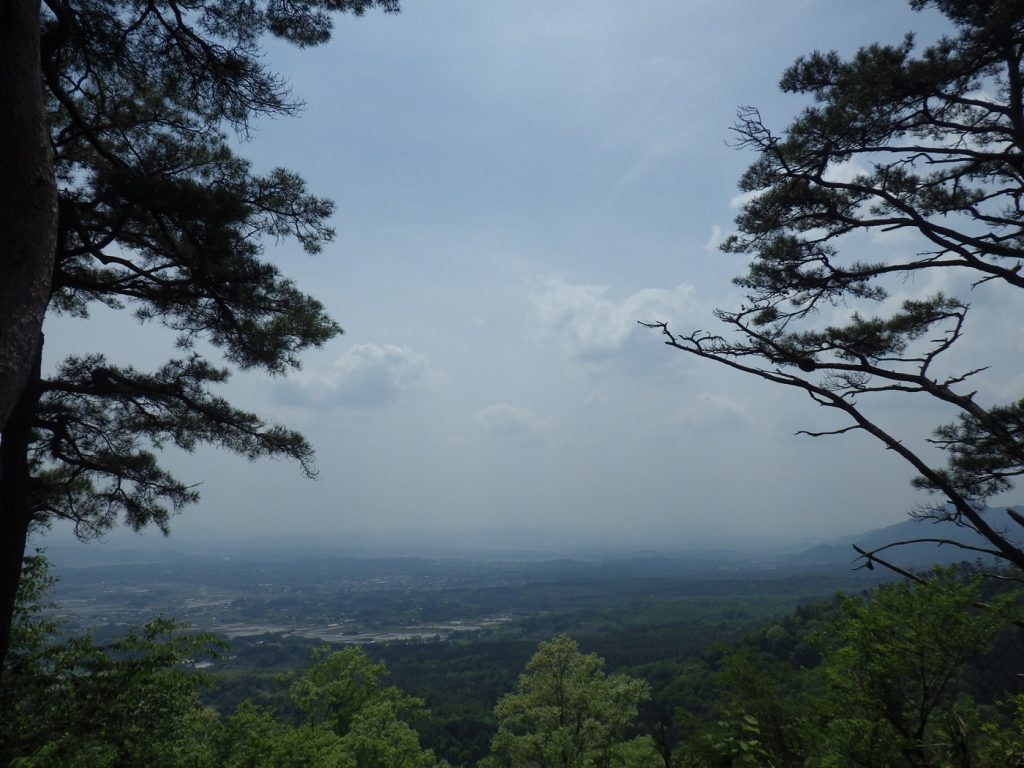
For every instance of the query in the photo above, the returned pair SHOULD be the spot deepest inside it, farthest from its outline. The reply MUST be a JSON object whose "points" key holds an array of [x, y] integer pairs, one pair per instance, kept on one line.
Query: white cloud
{"points": [[844, 172], [510, 421], [715, 239], [740, 199], [366, 376], [591, 326]]}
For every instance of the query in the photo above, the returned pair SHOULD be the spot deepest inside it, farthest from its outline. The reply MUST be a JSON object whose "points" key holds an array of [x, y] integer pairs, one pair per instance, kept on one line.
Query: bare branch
{"points": [[842, 431]]}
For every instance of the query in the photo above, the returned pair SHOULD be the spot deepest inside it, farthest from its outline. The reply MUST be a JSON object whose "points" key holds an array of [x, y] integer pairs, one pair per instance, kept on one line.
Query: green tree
{"points": [[72, 702], [380, 738], [156, 212], [929, 144], [892, 688], [340, 684], [350, 720], [251, 736], [761, 708], [1005, 746], [254, 738], [567, 712], [892, 673], [343, 691]]}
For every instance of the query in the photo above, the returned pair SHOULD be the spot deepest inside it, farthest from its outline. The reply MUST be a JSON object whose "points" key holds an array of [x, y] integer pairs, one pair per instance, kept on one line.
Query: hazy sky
{"points": [[517, 183]]}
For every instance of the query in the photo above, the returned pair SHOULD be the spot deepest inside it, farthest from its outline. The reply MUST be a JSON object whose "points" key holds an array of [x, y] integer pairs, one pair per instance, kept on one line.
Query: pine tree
{"points": [[927, 143], [158, 213]]}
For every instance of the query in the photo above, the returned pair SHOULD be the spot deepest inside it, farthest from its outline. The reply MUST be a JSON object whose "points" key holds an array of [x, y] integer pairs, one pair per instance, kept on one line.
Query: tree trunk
{"points": [[28, 200], [15, 510]]}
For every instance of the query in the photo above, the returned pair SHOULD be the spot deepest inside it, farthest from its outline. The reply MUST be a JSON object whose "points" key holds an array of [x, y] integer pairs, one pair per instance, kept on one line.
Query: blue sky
{"points": [[517, 183]]}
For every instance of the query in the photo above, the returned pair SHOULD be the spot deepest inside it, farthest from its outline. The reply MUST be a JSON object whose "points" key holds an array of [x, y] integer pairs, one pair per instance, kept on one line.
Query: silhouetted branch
{"points": [[842, 431]]}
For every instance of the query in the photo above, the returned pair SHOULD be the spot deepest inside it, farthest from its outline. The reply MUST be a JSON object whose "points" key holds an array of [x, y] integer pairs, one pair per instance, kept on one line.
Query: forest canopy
{"points": [[911, 673]]}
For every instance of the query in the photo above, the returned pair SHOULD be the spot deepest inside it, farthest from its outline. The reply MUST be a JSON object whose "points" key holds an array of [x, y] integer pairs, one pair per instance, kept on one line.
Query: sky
{"points": [[517, 184]]}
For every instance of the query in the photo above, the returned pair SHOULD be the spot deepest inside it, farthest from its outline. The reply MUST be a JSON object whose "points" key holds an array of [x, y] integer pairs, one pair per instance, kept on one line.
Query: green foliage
{"points": [[338, 685], [566, 711], [639, 752], [893, 682], [1005, 746], [254, 737], [738, 744], [378, 738], [342, 692], [32, 625], [72, 703], [895, 667], [373, 736], [760, 703], [132, 702], [978, 459], [891, 688]]}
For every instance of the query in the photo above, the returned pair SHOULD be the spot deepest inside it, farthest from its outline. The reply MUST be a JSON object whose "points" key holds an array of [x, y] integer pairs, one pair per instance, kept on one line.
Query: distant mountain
{"points": [[917, 555]]}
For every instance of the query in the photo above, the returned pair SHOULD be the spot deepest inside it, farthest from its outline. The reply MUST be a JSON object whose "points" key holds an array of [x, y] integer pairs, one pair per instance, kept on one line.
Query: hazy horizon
{"points": [[435, 541]]}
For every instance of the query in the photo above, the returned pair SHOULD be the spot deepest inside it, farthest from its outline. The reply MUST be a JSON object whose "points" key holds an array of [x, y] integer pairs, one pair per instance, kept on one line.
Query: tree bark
{"points": [[28, 200], [15, 509]]}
